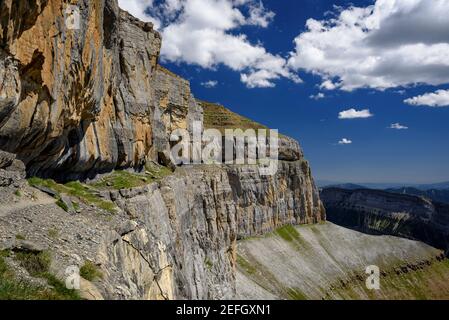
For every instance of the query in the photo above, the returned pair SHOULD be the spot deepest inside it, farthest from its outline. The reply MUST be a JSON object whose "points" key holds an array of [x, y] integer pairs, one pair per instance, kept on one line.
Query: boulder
{"points": [[28, 246]]}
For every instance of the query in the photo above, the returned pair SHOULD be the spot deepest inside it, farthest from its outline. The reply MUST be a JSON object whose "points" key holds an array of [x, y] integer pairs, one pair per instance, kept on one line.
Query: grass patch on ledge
{"points": [[12, 288], [246, 265], [121, 179], [116, 180], [218, 117], [291, 235], [76, 189], [90, 272], [295, 294]]}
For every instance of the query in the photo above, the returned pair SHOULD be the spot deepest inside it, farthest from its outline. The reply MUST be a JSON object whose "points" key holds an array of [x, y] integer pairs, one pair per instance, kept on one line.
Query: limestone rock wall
{"points": [[181, 241], [381, 212], [75, 102]]}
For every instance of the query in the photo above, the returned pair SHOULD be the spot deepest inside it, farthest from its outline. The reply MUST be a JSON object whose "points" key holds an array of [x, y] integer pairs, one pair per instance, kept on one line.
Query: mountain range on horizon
{"points": [[378, 185]]}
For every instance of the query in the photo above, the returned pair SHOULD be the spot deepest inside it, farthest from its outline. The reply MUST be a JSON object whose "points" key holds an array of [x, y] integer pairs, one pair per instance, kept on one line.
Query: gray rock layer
{"points": [[383, 212], [175, 239], [189, 224]]}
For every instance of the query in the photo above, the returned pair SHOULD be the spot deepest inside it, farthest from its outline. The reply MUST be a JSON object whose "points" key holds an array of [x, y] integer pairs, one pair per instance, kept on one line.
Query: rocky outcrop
{"points": [[174, 239], [382, 212], [75, 102], [189, 223]]}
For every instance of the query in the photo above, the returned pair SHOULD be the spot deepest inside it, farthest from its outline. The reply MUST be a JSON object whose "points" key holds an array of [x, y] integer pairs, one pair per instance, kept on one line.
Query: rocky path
{"points": [[7, 209]]}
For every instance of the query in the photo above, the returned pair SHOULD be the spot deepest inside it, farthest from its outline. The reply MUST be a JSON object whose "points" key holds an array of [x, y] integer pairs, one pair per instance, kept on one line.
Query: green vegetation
{"points": [[83, 192], [12, 288], [88, 193], [247, 267], [126, 180], [20, 236], [53, 233], [221, 118], [18, 193], [122, 180], [34, 263], [90, 272], [290, 234], [295, 294], [209, 264], [62, 205]]}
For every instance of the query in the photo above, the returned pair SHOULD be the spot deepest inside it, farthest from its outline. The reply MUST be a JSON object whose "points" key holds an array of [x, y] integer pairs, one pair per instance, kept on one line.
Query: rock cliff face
{"points": [[82, 101], [79, 103], [173, 239], [383, 212]]}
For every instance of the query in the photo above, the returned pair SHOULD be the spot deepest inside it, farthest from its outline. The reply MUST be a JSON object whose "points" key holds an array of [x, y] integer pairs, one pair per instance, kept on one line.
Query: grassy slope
{"points": [[328, 262], [221, 118], [12, 288], [116, 180]]}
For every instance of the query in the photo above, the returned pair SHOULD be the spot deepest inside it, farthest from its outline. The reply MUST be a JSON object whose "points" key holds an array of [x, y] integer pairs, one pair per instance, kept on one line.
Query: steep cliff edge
{"points": [[381, 212], [91, 108]]}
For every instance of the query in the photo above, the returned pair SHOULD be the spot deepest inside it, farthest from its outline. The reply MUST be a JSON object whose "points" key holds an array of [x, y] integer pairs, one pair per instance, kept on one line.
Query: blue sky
{"points": [[378, 153]]}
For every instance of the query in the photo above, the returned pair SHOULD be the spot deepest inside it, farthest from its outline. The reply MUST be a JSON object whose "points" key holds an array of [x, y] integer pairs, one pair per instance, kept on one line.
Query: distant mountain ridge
{"points": [[432, 194], [382, 212], [382, 186]]}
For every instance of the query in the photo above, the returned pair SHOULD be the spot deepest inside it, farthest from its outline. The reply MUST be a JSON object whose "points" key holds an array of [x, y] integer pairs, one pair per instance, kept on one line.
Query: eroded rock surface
{"points": [[175, 239], [383, 212], [87, 100]]}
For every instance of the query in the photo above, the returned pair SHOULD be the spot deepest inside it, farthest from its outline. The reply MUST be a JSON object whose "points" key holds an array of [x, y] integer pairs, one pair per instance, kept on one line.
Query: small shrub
{"points": [[62, 205], [209, 264], [3, 267], [34, 263], [18, 193], [14, 289], [53, 233], [20, 236], [60, 291], [5, 253], [90, 272], [76, 206]]}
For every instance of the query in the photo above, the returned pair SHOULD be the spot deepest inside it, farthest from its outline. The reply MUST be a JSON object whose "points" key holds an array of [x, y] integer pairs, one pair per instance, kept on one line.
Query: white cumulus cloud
{"points": [[439, 98], [392, 43], [355, 114], [398, 126], [138, 9], [209, 84], [317, 96], [345, 141], [206, 33]]}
